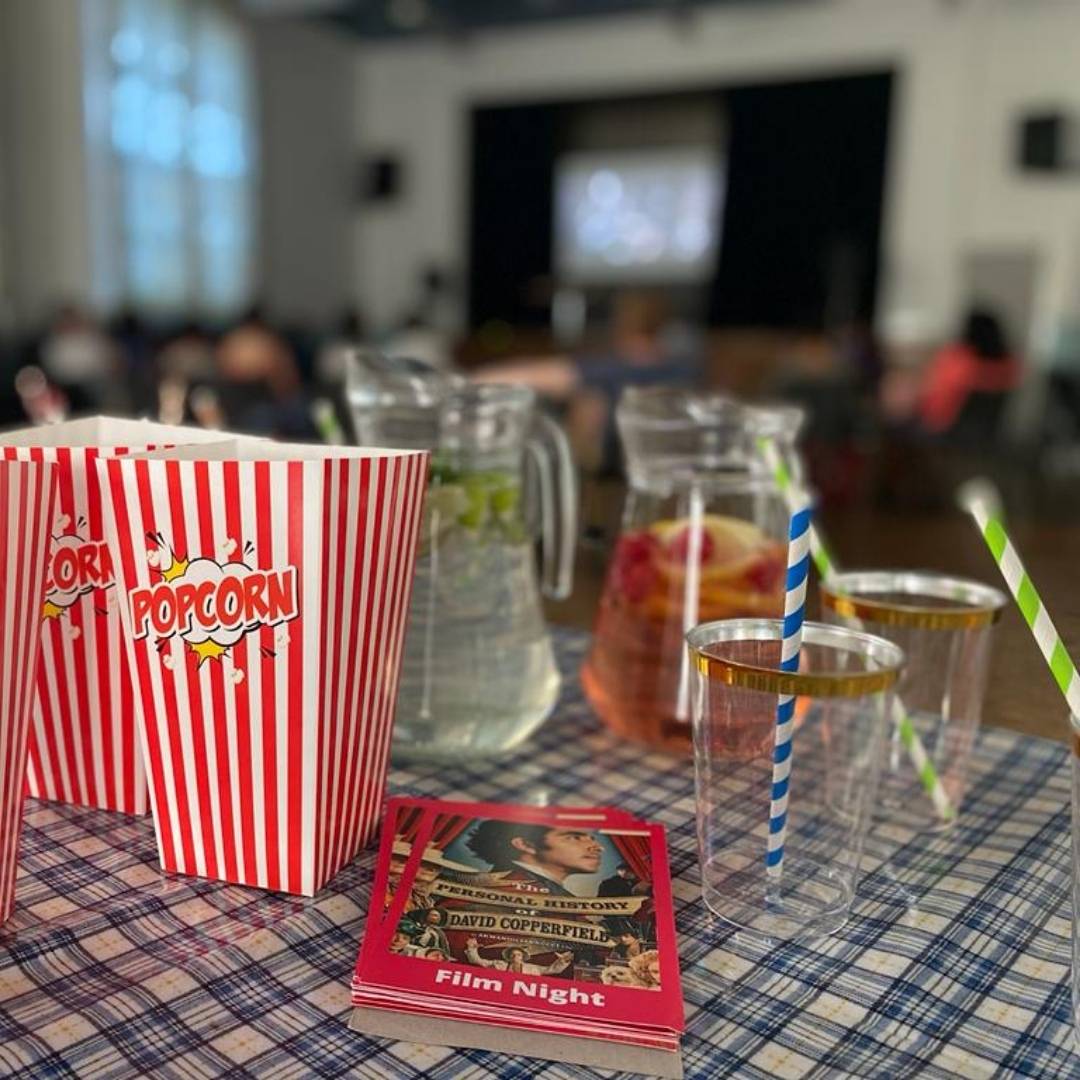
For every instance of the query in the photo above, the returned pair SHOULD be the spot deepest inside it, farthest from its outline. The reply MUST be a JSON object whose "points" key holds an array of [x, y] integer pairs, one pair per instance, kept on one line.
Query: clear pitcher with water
{"points": [[478, 673]]}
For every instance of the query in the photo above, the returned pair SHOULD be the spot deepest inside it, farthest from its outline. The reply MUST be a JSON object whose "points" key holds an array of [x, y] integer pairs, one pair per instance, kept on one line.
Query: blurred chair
{"points": [[1061, 361], [979, 424]]}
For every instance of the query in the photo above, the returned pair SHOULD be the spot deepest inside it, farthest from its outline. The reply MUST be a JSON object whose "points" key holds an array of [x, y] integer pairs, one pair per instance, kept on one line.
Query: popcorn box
{"points": [[264, 593], [27, 491], [83, 746]]}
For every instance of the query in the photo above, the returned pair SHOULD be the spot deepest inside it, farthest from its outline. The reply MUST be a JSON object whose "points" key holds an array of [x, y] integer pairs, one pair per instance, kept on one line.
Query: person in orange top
{"points": [[980, 362]]}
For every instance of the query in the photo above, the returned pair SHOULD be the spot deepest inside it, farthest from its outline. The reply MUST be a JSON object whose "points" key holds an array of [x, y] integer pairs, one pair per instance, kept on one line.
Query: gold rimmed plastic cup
{"points": [[944, 625], [843, 691], [913, 599]]}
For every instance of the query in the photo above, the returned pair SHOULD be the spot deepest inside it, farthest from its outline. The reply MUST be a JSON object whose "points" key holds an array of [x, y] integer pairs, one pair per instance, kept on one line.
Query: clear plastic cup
{"points": [[944, 625], [843, 696]]}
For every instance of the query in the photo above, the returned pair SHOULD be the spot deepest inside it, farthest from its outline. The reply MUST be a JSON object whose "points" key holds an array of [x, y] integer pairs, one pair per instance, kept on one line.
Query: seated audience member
{"points": [[592, 384], [79, 357], [417, 339], [187, 355], [135, 349], [1061, 362], [860, 356], [253, 352], [978, 369], [186, 368], [259, 381], [331, 363]]}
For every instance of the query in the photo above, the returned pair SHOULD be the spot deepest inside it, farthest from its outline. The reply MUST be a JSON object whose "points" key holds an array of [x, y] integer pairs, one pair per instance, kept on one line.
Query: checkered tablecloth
{"points": [[955, 962]]}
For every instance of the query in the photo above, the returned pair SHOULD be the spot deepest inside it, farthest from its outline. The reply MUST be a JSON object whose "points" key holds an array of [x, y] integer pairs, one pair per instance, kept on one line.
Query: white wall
{"points": [[964, 70], [306, 99], [43, 219], [1026, 56]]}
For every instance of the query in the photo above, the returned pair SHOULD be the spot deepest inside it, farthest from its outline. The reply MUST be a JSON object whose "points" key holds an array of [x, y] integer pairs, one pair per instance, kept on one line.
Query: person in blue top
{"points": [[590, 384]]}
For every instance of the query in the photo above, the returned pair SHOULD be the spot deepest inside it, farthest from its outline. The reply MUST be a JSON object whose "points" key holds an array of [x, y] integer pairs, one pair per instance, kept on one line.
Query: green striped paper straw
{"points": [[826, 567], [324, 417], [974, 497], [778, 467]]}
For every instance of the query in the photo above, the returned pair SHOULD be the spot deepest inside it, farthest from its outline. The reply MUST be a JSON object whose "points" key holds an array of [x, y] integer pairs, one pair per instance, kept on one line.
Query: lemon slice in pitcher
{"points": [[727, 548]]}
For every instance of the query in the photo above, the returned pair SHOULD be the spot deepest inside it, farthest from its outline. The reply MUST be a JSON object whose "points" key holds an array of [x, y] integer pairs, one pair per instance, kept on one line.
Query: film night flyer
{"points": [[525, 929]]}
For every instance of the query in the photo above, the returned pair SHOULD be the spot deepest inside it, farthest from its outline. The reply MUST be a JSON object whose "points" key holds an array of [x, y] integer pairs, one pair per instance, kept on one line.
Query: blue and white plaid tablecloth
{"points": [[955, 962]]}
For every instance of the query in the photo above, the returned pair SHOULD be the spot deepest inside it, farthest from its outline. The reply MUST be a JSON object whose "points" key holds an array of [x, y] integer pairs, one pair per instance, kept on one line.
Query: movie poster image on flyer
{"points": [[528, 897]]}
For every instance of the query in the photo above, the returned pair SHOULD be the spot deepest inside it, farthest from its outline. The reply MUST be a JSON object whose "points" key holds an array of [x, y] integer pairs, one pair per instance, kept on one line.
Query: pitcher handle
{"points": [[557, 489]]}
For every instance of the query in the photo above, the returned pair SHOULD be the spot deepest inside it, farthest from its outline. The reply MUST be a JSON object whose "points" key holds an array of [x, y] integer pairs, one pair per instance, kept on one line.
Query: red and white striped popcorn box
{"points": [[264, 593], [83, 745], [27, 491]]}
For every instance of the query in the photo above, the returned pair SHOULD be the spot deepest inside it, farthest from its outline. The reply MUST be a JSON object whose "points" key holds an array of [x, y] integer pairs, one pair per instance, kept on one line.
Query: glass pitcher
{"points": [[478, 674], [703, 538]]}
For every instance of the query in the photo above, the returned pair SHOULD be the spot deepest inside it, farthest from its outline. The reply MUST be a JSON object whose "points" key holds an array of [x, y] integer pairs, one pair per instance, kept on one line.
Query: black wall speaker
{"points": [[381, 178], [1043, 142]]}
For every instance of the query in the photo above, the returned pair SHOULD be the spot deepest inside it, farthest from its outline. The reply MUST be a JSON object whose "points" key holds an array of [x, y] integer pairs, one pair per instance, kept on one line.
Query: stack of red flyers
{"points": [[544, 931]]}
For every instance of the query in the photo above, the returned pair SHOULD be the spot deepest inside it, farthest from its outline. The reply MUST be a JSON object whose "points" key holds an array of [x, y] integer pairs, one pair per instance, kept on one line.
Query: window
{"points": [[170, 155]]}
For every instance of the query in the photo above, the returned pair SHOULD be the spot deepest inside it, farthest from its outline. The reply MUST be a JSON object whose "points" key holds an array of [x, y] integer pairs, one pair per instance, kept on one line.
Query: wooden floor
{"points": [[1022, 695]]}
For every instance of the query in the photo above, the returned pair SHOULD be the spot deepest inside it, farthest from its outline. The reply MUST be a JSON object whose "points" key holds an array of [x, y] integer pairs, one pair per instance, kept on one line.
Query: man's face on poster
{"points": [[576, 851], [426, 876]]}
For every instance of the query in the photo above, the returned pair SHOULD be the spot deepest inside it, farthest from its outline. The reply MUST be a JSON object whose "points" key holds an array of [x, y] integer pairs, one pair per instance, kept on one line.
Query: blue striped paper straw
{"points": [[826, 567], [798, 569]]}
